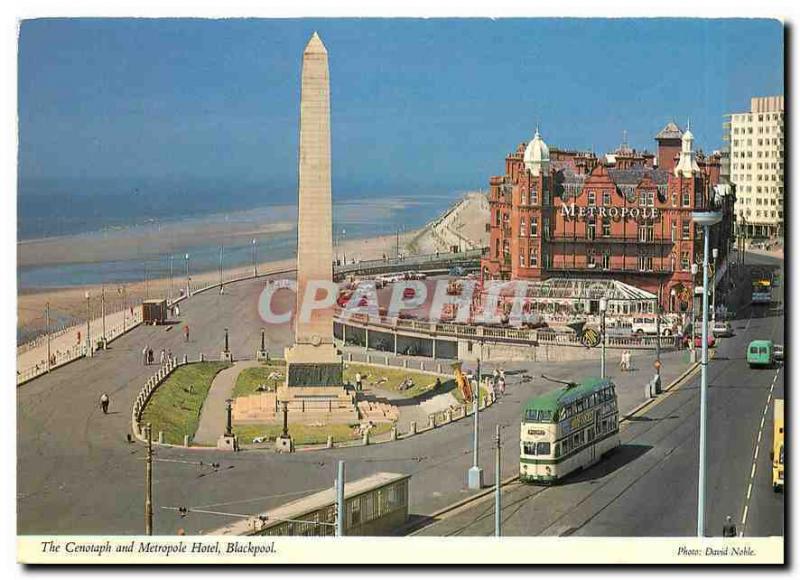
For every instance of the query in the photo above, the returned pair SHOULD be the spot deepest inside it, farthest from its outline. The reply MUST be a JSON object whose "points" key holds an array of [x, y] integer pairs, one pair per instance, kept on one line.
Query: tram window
{"points": [[529, 448], [542, 449], [557, 450], [590, 434]]}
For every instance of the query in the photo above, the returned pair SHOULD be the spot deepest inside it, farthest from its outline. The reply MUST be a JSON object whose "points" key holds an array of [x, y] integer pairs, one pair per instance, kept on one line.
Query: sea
{"points": [[99, 238]]}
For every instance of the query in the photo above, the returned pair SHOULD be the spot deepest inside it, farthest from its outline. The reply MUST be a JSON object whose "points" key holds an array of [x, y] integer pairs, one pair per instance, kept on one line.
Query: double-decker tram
{"points": [[568, 429]]}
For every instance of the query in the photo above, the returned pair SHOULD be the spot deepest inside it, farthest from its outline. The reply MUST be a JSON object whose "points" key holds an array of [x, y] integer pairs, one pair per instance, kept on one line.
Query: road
{"points": [[77, 474], [649, 486]]}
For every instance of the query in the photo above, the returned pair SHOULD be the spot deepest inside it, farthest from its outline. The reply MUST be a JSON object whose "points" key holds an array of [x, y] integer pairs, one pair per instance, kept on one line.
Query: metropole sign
{"points": [[572, 211]]}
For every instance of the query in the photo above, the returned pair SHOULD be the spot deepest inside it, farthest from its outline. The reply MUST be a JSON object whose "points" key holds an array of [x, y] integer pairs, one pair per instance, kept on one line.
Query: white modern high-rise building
{"points": [[755, 166]]}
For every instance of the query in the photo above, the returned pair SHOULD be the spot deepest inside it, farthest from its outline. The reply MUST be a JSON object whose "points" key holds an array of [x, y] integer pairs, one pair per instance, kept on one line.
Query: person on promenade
{"points": [[162, 357], [144, 356], [729, 528], [104, 403], [358, 381], [150, 359], [627, 355], [622, 361], [501, 385], [185, 333]]}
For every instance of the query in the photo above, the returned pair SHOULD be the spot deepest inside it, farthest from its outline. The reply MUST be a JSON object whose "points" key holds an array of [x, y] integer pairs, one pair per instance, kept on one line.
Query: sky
{"points": [[178, 105]]}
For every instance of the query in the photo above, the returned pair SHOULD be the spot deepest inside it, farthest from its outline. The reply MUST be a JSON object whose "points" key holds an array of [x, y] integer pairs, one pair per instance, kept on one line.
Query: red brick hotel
{"points": [[625, 216]]}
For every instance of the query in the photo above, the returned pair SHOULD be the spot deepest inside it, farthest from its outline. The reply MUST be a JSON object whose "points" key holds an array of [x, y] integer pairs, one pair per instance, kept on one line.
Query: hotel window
{"points": [[591, 258], [672, 262], [534, 226], [591, 198], [646, 232], [606, 198], [591, 229], [523, 198], [606, 227], [645, 263], [685, 265], [674, 199], [533, 257], [685, 228], [546, 228], [497, 217], [506, 249], [606, 260], [534, 196], [522, 229], [674, 231], [685, 199], [522, 259]]}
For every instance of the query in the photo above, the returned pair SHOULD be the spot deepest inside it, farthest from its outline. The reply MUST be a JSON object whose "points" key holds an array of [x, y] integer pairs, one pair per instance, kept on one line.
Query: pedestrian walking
{"points": [[502, 385], [163, 355], [186, 333], [358, 381], [627, 360], [177, 310], [104, 403], [145, 360], [729, 528], [169, 355], [622, 361], [150, 359]]}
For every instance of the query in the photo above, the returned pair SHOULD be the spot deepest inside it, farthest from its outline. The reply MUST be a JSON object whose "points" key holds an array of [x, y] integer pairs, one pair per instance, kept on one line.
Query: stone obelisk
{"points": [[314, 366]]}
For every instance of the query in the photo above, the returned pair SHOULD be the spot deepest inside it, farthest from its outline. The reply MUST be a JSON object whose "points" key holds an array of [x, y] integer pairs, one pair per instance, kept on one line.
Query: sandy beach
{"points": [[68, 304]]}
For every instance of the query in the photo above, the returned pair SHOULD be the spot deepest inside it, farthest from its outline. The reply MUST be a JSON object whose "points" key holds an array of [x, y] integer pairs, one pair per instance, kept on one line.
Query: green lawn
{"points": [[249, 379], [172, 408], [307, 434], [391, 378]]}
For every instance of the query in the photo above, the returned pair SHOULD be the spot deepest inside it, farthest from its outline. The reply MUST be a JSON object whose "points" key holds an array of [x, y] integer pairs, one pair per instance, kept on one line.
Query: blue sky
{"points": [[417, 105]]}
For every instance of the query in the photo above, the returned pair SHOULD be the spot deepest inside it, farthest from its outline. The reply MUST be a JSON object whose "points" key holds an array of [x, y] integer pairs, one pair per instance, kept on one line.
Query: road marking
{"points": [[755, 453]]}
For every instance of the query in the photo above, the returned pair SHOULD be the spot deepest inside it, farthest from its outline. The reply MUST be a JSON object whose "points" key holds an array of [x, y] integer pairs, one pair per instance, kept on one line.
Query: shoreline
{"points": [[68, 305]]}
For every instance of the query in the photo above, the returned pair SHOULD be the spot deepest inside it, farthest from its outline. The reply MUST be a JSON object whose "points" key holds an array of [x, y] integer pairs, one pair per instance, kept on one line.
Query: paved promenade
{"points": [[66, 446]]}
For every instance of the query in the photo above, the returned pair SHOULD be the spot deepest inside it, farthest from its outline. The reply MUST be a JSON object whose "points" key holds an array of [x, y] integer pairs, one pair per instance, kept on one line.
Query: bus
{"points": [[568, 429], [762, 291], [777, 447], [761, 353]]}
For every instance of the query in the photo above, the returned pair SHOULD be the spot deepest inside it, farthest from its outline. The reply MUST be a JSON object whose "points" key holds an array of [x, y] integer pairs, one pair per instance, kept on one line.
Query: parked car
{"points": [[722, 329], [648, 325], [698, 341]]}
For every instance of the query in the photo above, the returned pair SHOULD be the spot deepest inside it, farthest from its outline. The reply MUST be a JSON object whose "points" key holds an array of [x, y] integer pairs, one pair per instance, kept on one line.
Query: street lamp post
{"points": [[88, 327], [103, 313], [705, 219], [603, 308], [170, 278], [694, 312], [658, 334], [714, 254], [221, 275], [255, 268], [475, 474], [188, 279]]}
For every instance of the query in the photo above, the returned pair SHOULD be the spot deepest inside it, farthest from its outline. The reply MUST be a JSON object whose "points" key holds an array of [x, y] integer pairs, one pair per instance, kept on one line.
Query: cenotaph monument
{"points": [[314, 384]]}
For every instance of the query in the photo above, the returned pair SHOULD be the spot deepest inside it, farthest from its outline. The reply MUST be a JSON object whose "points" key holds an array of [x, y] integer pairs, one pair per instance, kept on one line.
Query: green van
{"points": [[761, 353]]}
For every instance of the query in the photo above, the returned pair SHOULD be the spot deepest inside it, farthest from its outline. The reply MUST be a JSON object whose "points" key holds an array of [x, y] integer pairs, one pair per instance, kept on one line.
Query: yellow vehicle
{"points": [[777, 447]]}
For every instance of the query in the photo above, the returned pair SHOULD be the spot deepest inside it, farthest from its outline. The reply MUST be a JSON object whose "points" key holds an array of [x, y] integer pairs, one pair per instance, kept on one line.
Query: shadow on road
{"points": [[615, 460]]}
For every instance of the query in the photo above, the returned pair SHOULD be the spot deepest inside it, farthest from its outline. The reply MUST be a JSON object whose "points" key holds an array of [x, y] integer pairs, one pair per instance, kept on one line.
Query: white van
{"points": [[647, 325]]}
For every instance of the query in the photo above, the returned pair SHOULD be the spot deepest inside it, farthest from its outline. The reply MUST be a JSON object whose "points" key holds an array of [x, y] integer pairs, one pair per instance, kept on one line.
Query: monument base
{"points": [[228, 443], [226, 356], [262, 355], [284, 444]]}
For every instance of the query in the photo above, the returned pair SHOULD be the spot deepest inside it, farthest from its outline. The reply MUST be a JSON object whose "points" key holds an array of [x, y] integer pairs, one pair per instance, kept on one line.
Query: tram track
{"points": [[513, 482]]}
